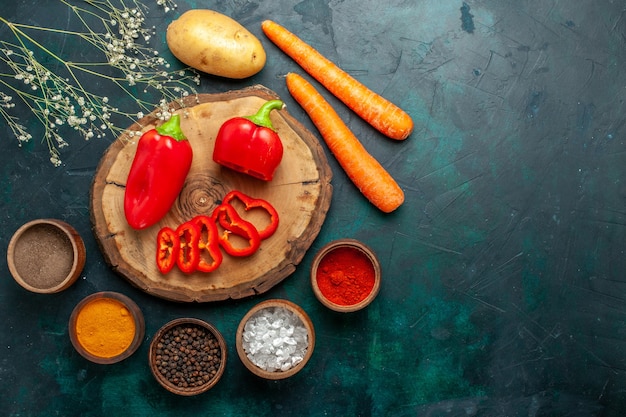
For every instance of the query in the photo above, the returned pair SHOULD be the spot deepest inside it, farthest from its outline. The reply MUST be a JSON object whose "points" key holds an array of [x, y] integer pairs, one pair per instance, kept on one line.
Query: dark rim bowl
{"points": [[186, 391], [306, 321], [353, 244], [71, 239], [135, 311]]}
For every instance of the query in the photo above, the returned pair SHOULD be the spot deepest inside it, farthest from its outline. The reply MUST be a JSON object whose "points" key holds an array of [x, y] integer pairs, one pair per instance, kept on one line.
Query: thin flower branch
{"points": [[59, 91]]}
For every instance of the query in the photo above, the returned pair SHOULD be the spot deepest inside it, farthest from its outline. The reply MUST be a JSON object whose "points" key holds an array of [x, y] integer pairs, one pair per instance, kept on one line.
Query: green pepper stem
{"points": [[262, 117], [172, 129]]}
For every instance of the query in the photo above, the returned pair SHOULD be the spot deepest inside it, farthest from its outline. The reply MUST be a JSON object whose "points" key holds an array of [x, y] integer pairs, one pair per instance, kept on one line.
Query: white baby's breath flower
{"points": [[64, 100]]}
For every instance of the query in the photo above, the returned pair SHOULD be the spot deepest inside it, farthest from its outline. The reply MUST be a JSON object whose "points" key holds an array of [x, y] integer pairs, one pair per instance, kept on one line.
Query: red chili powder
{"points": [[345, 276]]}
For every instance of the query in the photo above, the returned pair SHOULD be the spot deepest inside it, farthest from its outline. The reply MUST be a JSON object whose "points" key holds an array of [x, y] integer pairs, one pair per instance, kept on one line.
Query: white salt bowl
{"points": [[248, 352]]}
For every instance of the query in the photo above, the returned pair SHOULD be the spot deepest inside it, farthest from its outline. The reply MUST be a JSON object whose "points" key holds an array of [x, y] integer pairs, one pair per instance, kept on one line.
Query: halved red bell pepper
{"points": [[252, 203], [250, 144], [226, 216], [208, 245], [189, 252], [168, 246], [157, 174]]}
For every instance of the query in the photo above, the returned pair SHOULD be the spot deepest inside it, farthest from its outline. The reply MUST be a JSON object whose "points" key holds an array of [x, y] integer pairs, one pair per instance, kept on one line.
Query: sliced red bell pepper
{"points": [[189, 253], [208, 244], [252, 203], [226, 216], [168, 246]]}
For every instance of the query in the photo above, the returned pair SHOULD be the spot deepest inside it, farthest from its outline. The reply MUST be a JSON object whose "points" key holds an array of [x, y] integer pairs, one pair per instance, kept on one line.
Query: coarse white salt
{"points": [[275, 339]]}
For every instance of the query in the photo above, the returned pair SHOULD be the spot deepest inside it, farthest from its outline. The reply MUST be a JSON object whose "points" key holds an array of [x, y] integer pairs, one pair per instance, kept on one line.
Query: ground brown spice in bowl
{"points": [[44, 256]]}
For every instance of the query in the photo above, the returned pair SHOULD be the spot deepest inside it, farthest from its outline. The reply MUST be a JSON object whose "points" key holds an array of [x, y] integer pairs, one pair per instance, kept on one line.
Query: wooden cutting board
{"points": [[300, 191]]}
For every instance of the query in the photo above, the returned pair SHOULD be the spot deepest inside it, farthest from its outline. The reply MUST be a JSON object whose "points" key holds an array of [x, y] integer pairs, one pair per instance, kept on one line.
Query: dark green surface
{"points": [[504, 283]]}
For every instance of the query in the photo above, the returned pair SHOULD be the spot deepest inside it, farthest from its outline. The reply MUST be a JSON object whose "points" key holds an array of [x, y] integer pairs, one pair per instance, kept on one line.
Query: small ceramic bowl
{"points": [[46, 256], [106, 327], [341, 285], [267, 354], [182, 340]]}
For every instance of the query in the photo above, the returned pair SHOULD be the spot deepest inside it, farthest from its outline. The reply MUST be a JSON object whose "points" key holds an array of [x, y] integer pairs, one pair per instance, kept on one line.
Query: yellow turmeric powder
{"points": [[105, 327]]}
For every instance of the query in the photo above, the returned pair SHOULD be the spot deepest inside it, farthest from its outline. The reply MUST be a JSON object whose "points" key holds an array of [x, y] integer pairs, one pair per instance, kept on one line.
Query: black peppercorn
{"points": [[188, 356]]}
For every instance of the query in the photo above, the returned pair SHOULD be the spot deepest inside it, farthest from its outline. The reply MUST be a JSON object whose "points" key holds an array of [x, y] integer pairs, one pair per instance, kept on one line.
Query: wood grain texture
{"points": [[300, 191]]}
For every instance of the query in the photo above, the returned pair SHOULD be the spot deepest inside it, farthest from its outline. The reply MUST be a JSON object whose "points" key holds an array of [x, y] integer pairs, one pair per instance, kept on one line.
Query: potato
{"points": [[215, 44]]}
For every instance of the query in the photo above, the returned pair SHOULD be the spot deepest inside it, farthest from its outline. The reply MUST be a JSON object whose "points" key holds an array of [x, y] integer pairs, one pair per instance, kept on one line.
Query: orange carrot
{"points": [[383, 115], [362, 168]]}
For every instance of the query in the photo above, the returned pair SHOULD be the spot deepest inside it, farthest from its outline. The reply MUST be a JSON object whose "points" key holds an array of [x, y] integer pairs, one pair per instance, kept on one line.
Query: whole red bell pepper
{"points": [[226, 216], [168, 245], [189, 252], [250, 144], [157, 174], [250, 203], [208, 244]]}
